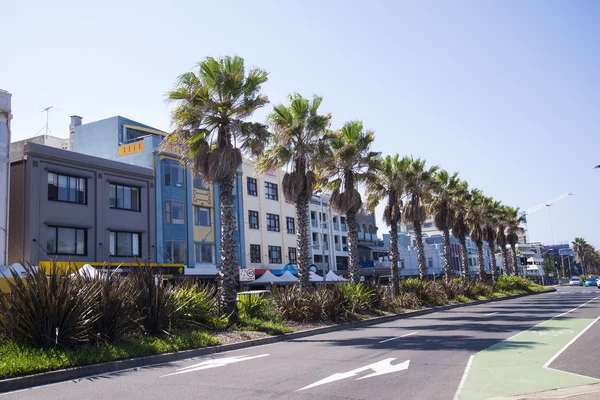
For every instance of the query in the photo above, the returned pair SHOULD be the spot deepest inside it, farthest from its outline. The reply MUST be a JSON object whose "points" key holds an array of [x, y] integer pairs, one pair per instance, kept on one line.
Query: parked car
{"points": [[575, 282], [591, 282]]}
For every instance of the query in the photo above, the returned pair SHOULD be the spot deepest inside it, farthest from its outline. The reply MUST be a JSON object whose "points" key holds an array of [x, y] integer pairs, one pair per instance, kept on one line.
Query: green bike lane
{"points": [[523, 363]]}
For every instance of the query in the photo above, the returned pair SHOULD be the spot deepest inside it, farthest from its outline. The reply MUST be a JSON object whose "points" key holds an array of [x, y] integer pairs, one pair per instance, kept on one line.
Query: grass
{"points": [[17, 360], [271, 327]]}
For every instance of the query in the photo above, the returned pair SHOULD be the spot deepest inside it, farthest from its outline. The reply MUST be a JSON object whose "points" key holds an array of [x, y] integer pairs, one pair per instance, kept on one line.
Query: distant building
{"points": [[17, 149], [5, 117], [564, 258], [71, 207]]}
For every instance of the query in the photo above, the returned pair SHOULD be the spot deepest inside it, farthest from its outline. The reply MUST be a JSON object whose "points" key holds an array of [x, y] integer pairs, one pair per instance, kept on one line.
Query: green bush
{"points": [[253, 306], [408, 301], [421, 289], [357, 296], [316, 304], [57, 310], [197, 307], [511, 284]]}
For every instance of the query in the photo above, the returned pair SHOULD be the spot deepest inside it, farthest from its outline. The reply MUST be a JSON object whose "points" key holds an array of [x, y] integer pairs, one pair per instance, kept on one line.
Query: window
{"points": [[274, 255], [428, 225], [291, 225], [124, 197], [292, 255], [66, 241], [255, 253], [271, 191], [252, 187], [125, 244], [173, 174], [199, 182], [175, 252], [430, 262], [401, 264], [273, 222], [253, 219], [313, 219], [174, 212], [67, 188], [205, 253], [201, 216], [315, 239]]}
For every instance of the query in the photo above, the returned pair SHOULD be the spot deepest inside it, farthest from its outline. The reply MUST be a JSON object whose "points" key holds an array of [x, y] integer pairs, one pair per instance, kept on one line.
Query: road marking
{"points": [[550, 361], [398, 337], [380, 368], [215, 363], [493, 313], [556, 316], [464, 378]]}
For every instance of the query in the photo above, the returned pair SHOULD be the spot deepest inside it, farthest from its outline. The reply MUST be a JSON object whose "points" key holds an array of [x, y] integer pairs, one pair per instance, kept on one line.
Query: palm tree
{"points": [[514, 229], [442, 207], [490, 230], [476, 222], [420, 186], [580, 247], [460, 227], [211, 106], [503, 219], [388, 186], [299, 137], [349, 162]]}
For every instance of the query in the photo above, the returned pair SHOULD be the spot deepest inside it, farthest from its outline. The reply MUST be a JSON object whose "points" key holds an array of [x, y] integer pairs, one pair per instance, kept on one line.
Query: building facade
{"points": [[5, 117], [187, 209], [270, 227], [70, 207], [17, 149]]}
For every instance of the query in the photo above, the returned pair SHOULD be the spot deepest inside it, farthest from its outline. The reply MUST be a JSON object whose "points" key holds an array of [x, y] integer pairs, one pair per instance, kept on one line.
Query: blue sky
{"points": [[507, 93]]}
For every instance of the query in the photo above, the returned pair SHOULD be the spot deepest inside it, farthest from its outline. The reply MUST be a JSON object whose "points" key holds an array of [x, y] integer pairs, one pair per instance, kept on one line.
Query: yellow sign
{"points": [[132, 148]]}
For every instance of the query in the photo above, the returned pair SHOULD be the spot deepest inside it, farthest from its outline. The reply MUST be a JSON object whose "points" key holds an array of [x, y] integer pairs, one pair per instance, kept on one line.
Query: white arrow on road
{"points": [[219, 362], [381, 368]]}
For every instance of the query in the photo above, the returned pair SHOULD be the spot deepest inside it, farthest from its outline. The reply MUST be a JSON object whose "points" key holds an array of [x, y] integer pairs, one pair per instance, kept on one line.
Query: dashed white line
{"points": [[464, 378], [398, 337], [493, 313]]}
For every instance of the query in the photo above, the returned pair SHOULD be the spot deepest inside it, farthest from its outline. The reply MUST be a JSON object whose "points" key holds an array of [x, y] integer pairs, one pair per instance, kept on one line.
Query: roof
{"points": [[43, 151]]}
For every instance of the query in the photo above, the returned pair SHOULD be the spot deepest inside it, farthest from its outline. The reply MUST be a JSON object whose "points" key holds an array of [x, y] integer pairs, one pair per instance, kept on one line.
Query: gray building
{"points": [[67, 206]]}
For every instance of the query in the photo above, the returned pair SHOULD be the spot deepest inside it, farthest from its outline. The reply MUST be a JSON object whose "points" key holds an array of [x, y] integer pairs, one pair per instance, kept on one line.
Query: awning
{"points": [[266, 279]]}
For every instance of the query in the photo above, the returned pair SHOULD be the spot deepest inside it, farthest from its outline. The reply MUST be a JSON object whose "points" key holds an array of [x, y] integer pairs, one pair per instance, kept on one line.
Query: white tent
{"points": [[333, 277], [6, 273], [266, 279], [287, 277], [313, 277], [88, 271]]}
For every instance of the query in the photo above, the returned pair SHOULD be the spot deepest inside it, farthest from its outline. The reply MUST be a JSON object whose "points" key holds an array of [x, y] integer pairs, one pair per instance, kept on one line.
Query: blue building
{"points": [[564, 259], [187, 209]]}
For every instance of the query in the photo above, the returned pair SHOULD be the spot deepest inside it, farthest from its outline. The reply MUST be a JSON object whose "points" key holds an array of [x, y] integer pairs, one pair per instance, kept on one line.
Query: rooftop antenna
{"points": [[47, 111]]}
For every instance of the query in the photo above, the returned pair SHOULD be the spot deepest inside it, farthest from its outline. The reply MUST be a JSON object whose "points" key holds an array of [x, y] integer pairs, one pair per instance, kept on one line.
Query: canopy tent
{"points": [[266, 279], [313, 277], [5, 271], [88, 271], [287, 278], [333, 277]]}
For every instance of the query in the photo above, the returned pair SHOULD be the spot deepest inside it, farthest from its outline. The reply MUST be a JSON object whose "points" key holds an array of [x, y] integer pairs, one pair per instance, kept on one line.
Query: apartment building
{"points": [[5, 117], [270, 227], [17, 149], [70, 207], [187, 209]]}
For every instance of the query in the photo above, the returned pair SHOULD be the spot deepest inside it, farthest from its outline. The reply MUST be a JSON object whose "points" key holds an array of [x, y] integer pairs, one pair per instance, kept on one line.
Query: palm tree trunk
{"points": [[513, 248], [227, 266], [420, 251], [447, 255], [393, 251], [464, 258], [480, 260], [493, 260], [353, 265], [302, 240], [506, 270]]}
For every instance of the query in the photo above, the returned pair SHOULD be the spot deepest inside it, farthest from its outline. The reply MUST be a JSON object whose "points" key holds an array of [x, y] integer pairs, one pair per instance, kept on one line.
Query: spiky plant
{"points": [[349, 162], [299, 135], [388, 185], [211, 131]]}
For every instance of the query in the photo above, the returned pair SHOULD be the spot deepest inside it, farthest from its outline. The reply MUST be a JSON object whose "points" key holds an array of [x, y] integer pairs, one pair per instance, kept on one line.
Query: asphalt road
{"points": [[416, 358]]}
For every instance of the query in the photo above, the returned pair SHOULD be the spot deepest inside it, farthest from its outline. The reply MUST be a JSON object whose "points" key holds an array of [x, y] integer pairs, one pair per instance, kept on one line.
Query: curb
{"points": [[87, 371]]}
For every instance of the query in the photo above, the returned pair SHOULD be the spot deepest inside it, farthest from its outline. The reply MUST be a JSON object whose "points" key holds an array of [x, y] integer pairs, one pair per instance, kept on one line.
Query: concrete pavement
{"points": [[418, 358]]}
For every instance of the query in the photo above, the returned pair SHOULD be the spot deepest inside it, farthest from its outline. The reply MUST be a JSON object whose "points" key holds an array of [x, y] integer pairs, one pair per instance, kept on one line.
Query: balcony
{"points": [[324, 225], [336, 226], [337, 247], [315, 244], [365, 236], [325, 246], [344, 228], [313, 223], [345, 247]]}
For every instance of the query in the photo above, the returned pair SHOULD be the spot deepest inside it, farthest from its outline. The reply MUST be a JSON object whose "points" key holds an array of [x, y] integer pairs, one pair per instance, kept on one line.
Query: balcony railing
{"points": [[345, 247], [361, 236], [315, 244], [313, 223], [344, 228], [324, 225], [325, 246], [336, 226], [337, 247]]}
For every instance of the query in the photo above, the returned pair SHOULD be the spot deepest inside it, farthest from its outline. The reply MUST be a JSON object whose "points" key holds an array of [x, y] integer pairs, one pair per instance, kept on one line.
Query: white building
{"points": [[5, 117], [270, 226], [17, 148]]}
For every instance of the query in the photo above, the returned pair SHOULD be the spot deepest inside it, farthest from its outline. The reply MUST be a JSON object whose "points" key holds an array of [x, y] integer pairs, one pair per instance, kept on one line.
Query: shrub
{"points": [[511, 284], [408, 300], [437, 295], [357, 296], [482, 289], [115, 307], [421, 289], [381, 298], [316, 304], [46, 311], [197, 307], [253, 306]]}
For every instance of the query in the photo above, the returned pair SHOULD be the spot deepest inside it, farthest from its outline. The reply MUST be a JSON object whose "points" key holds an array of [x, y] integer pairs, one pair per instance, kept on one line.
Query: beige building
{"points": [[270, 226]]}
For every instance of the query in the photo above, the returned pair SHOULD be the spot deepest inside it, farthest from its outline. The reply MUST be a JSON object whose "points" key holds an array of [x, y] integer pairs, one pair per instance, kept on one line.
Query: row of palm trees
{"points": [[210, 116], [588, 257]]}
